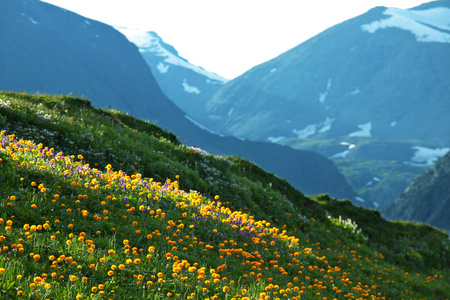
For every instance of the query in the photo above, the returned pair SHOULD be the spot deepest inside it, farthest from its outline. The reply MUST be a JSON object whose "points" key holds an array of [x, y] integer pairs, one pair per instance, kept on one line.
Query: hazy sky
{"points": [[228, 37]]}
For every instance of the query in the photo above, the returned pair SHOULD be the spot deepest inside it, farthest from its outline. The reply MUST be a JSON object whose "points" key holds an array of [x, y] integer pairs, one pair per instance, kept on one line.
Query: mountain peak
{"points": [[150, 41]]}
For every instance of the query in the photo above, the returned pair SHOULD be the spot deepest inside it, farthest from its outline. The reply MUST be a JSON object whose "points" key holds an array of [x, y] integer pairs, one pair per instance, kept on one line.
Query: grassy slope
{"points": [[374, 257]]}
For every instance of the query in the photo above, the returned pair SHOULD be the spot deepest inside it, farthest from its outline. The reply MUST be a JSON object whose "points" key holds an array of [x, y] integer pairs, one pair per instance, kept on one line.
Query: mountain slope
{"points": [[187, 85], [367, 77], [427, 198], [73, 225], [52, 50]]}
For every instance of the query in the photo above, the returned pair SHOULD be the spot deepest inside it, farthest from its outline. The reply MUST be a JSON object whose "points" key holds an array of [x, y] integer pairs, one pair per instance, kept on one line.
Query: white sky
{"points": [[228, 37]]}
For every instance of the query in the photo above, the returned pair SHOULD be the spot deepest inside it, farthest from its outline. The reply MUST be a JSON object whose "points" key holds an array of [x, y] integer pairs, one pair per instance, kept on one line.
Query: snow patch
{"points": [[350, 146], [148, 41], [376, 178], [273, 70], [190, 89], [360, 199], [275, 139], [230, 112], [376, 204], [202, 127], [162, 68], [342, 154], [355, 91], [426, 156], [323, 96], [33, 21], [326, 125], [87, 22], [364, 132], [426, 25], [314, 128], [393, 124], [307, 131]]}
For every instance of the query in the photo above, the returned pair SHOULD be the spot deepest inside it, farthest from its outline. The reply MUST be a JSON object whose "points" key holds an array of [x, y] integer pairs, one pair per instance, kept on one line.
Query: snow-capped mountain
{"points": [[370, 93], [382, 74], [187, 85]]}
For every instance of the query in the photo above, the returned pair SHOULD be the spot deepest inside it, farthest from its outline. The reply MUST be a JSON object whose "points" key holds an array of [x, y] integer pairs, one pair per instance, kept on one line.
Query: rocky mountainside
{"points": [[51, 50], [427, 199], [187, 85]]}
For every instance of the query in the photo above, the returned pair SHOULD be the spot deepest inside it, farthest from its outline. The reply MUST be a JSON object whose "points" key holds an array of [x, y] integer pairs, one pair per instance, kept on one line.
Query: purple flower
{"points": [[125, 199]]}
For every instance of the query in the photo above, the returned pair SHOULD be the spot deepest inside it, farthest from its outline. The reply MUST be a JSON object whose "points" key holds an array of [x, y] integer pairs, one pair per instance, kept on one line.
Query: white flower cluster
{"points": [[5, 103]]}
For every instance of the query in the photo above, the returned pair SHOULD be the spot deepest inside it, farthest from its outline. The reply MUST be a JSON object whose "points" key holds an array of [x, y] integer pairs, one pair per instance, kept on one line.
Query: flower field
{"points": [[73, 227]]}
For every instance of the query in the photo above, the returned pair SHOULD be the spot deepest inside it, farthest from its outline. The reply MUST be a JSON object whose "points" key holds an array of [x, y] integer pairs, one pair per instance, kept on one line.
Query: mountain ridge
{"points": [[187, 85]]}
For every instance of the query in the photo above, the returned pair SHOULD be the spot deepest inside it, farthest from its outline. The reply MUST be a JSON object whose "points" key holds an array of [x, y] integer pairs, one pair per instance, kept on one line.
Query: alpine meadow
{"points": [[97, 204]]}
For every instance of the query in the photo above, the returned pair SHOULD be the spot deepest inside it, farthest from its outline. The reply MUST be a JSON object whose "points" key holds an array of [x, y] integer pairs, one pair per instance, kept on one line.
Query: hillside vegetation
{"points": [[95, 204]]}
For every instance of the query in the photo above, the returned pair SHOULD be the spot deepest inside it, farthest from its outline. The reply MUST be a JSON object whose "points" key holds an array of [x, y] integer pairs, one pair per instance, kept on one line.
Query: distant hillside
{"points": [[52, 50], [82, 218], [427, 198]]}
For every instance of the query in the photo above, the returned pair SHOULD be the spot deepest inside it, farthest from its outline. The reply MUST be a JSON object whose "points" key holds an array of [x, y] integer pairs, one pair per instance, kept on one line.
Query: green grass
{"points": [[99, 205]]}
